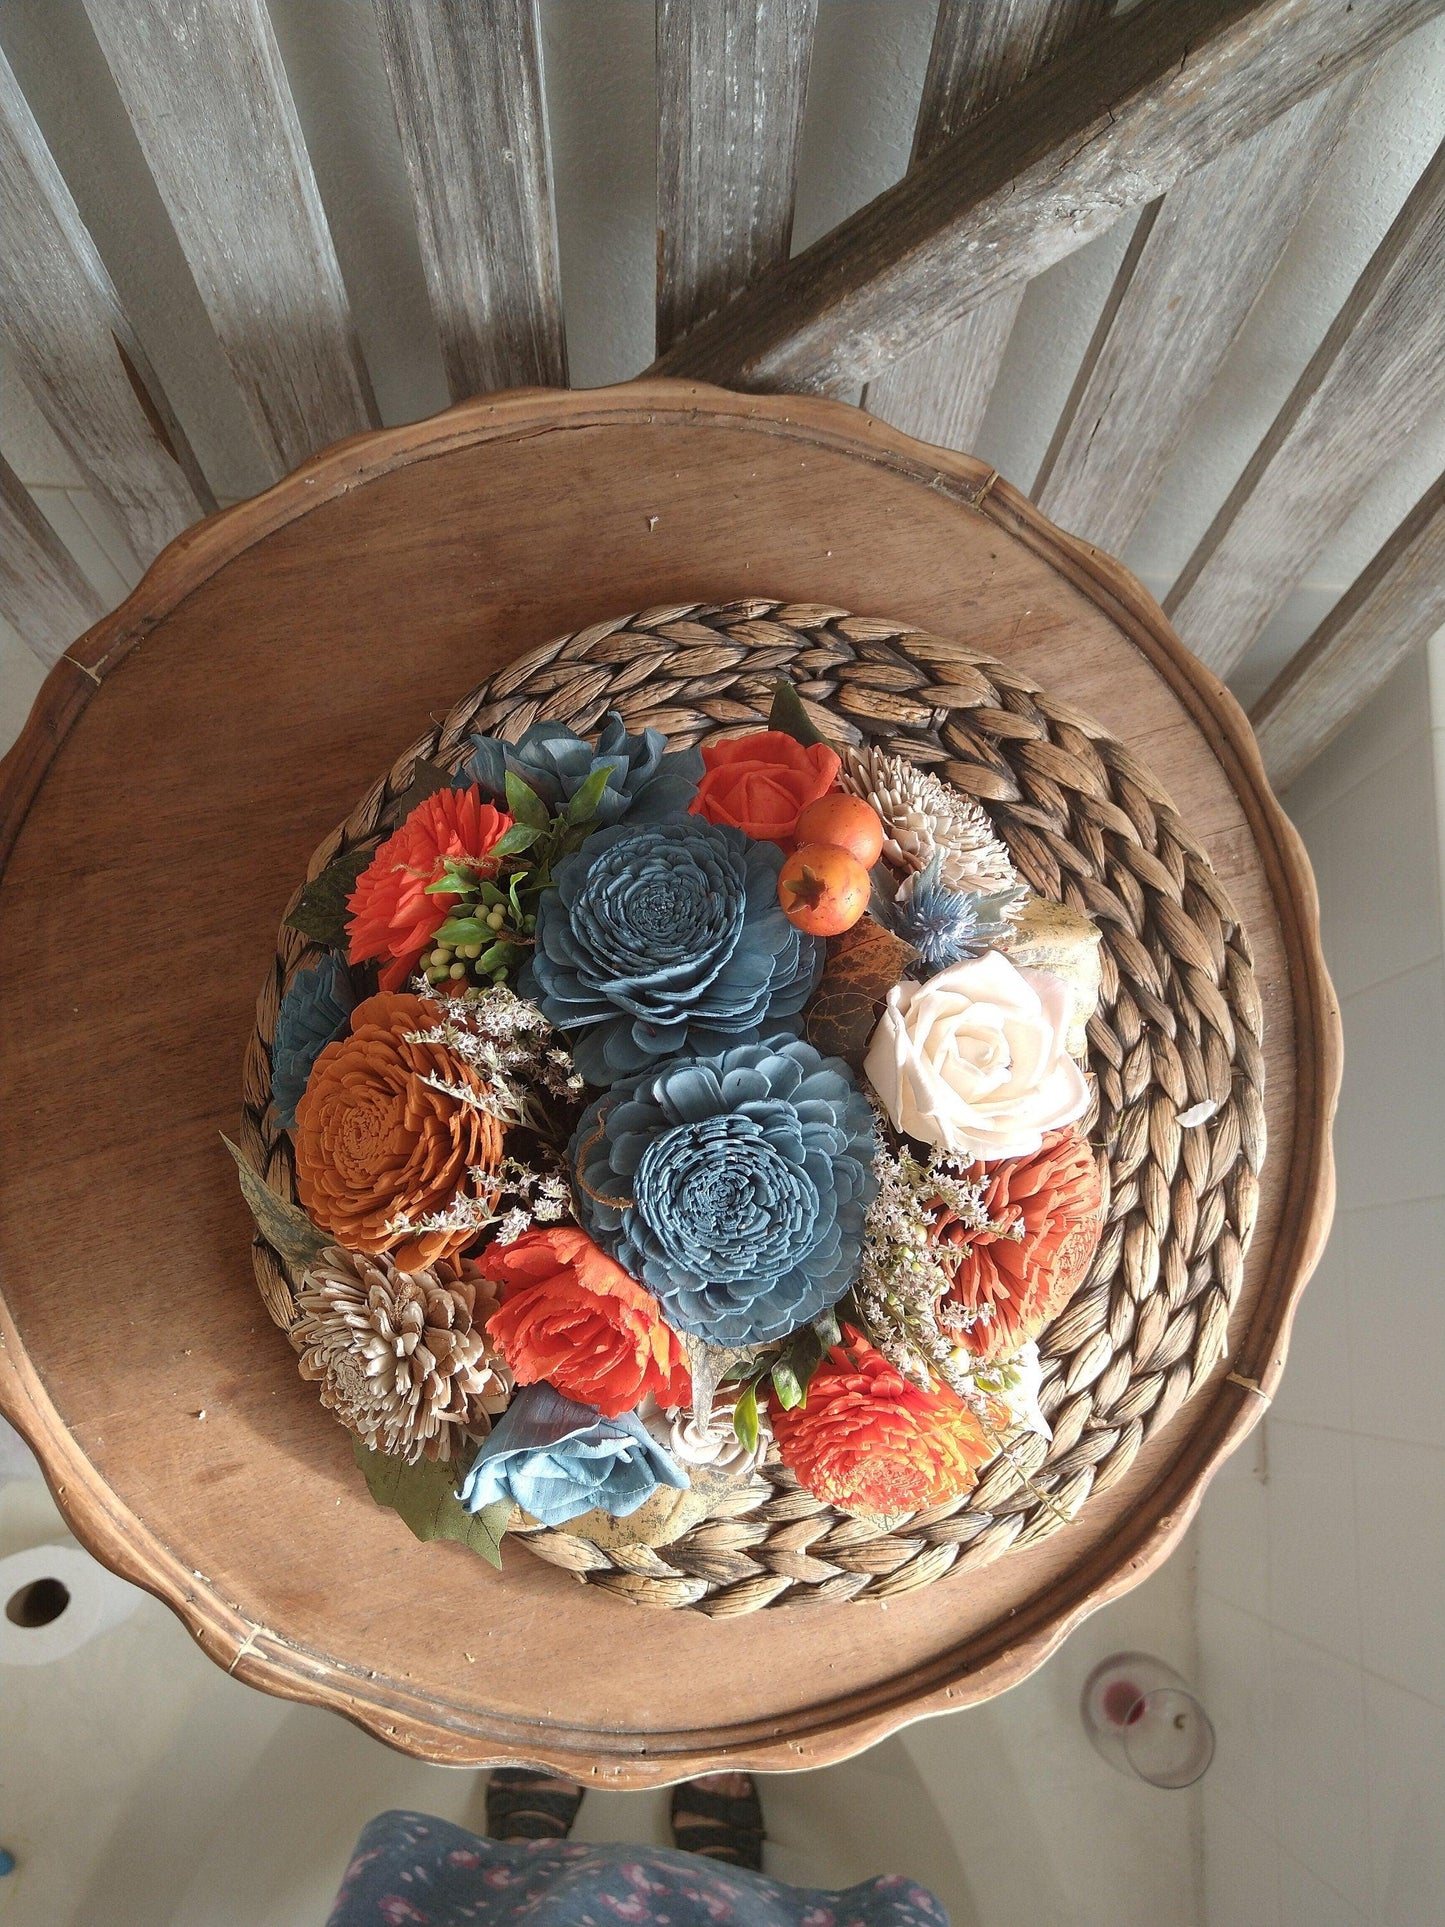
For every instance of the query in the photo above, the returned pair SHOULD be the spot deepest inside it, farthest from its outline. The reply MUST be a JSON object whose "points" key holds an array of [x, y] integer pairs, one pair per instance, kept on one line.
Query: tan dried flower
{"points": [[922, 815], [402, 1357]]}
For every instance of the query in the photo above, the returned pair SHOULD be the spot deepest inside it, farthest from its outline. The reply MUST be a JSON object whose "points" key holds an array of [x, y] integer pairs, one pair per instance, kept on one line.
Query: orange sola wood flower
{"points": [[1046, 1216], [869, 1440], [380, 1144], [571, 1316], [392, 919]]}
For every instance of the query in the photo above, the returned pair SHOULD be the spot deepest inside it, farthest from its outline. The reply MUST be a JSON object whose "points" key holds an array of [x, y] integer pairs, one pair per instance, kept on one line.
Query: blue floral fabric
{"points": [[557, 1459], [644, 778], [664, 938], [734, 1187], [410, 1870]]}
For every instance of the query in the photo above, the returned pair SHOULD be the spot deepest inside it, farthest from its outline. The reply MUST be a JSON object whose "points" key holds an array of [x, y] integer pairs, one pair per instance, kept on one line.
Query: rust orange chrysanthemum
{"points": [[869, 1440], [375, 1142], [571, 1316], [1013, 1281], [392, 919]]}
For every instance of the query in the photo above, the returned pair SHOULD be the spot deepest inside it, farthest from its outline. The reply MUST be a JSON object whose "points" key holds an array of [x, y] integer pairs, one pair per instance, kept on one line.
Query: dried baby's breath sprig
{"points": [[514, 1051], [510, 1198]]}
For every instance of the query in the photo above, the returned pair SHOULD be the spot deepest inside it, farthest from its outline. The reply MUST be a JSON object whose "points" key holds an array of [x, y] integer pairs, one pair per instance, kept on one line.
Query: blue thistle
{"points": [[945, 926]]}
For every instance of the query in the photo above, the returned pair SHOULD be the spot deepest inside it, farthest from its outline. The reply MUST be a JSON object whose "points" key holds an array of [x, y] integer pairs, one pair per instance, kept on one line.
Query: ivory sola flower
{"points": [[379, 1146], [869, 1440], [392, 918]]}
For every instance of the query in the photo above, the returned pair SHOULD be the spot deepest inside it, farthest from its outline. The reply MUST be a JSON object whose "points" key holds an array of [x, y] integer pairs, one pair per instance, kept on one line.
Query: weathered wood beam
{"points": [[1395, 605], [206, 93], [43, 594], [466, 83], [75, 350], [732, 77], [1379, 367], [1193, 271], [1108, 125], [983, 51]]}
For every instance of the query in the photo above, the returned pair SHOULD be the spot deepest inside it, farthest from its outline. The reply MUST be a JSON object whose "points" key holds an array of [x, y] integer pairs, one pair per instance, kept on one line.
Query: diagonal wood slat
{"points": [[1110, 124], [62, 321], [466, 82], [983, 50], [732, 76], [42, 592], [1380, 365], [206, 93], [1193, 271], [1395, 606]]}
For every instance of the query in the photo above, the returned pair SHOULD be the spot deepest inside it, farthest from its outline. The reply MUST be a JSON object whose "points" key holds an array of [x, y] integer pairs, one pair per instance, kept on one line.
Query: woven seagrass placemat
{"points": [[1176, 1036]]}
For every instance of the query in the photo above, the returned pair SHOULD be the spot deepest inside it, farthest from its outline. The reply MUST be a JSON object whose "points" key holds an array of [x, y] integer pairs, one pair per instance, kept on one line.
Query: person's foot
{"points": [[720, 1815], [522, 1805]]}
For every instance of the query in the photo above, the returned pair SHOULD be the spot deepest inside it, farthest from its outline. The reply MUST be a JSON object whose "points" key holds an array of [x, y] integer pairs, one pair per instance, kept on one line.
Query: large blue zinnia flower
{"points": [[663, 938], [314, 1012], [645, 780], [734, 1187]]}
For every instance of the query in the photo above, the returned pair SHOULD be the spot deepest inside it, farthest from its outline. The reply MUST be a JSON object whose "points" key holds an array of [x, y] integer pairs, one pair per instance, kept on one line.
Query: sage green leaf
{"points": [[524, 804], [285, 1227], [321, 912], [788, 715], [745, 1419], [424, 1498], [426, 779]]}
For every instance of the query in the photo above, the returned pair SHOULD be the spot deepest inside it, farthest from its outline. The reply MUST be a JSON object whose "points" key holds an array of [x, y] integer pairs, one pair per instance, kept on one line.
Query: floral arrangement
{"points": [[657, 1114]]}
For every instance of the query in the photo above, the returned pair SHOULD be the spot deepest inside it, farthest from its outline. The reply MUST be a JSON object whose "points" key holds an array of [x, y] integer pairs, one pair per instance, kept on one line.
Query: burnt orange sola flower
{"points": [[1049, 1213], [379, 1148], [391, 917], [571, 1316], [869, 1440]]}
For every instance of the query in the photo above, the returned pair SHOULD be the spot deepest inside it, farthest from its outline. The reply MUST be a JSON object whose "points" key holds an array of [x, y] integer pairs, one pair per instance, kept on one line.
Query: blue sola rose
{"points": [[663, 938], [557, 1460], [314, 1012], [644, 779], [734, 1187]]}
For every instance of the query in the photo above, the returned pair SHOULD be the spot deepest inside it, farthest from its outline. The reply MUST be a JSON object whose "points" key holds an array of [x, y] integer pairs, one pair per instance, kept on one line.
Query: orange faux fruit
{"points": [[823, 889], [847, 822]]}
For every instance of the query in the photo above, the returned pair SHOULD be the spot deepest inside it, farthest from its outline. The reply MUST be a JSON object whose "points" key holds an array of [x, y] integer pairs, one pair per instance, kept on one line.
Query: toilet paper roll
{"points": [[31, 1582]]}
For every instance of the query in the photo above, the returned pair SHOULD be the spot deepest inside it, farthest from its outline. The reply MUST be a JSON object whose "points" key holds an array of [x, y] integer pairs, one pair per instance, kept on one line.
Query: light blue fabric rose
{"points": [[315, 1010], [645, 780], [557, 1460], [665, 938], [734, 1187]]}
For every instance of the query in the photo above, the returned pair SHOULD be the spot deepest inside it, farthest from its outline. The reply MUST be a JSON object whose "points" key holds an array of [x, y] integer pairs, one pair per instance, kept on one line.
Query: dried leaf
{"points": [[285, 1227], [710, 1365], [424, 1498], [321, 912], [863, 966], [789, 716], [426, 779]]}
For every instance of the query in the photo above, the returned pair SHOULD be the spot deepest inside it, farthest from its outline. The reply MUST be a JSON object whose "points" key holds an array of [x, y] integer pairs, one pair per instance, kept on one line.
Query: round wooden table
{"points": [[181, 764]]}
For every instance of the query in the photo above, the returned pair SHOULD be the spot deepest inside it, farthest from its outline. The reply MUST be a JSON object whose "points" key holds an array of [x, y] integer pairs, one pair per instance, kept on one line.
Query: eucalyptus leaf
{"points": [[424, 1497], [426, 779], [524, 804], [789, 716], [745, 1419], [321, 911], [285, 1227]]}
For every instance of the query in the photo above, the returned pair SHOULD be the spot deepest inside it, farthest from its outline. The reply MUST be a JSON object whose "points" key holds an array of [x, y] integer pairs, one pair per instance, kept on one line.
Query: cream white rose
{"points": [[974, 1060]]}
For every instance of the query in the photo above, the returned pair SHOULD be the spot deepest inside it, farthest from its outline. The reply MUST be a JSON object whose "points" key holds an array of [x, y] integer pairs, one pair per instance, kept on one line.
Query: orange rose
{"points": [[572, 1316], [869, 1440], [375, 1142], [390, 914], [762, 783], [1052, 1208]]}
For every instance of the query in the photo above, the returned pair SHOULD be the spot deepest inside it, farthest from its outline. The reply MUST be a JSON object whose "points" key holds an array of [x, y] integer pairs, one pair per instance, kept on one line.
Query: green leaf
{"points": [[285, 1227], [524, 803], [788, 1386], [495, 954], [321, 911], [788, 715], [745, 1418], [463, 930], [424, 1497], [521, 836], [456, 880], [830, 1332], [426, 779], [583, 806], [492, 897]]}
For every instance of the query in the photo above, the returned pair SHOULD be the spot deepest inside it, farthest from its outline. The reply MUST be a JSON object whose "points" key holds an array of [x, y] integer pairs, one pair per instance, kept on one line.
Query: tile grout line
{"points": [[1326, 1652]]}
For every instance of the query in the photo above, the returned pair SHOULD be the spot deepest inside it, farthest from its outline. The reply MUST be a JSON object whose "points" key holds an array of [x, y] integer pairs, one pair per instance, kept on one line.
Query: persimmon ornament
{"points": [[823, 890]]}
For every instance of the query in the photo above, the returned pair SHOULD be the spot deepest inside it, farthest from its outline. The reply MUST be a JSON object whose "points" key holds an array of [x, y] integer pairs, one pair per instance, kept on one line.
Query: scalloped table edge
{"points": [[833, 1730]]}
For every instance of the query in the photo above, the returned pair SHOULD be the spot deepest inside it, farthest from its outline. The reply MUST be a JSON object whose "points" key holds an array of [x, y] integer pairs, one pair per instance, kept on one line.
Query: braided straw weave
{"points": [[1176, 1035]]}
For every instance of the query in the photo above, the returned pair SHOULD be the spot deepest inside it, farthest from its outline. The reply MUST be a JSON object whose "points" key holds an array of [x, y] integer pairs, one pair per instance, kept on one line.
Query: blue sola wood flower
{"points": [[734, 1187], [645, 779], [315, 1010], [557, 1460], [663, 938]]}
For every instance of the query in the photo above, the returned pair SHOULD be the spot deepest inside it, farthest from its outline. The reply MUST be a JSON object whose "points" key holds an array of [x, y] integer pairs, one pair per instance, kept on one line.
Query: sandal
{"points": [[722, 1826], [522, 1805]]}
